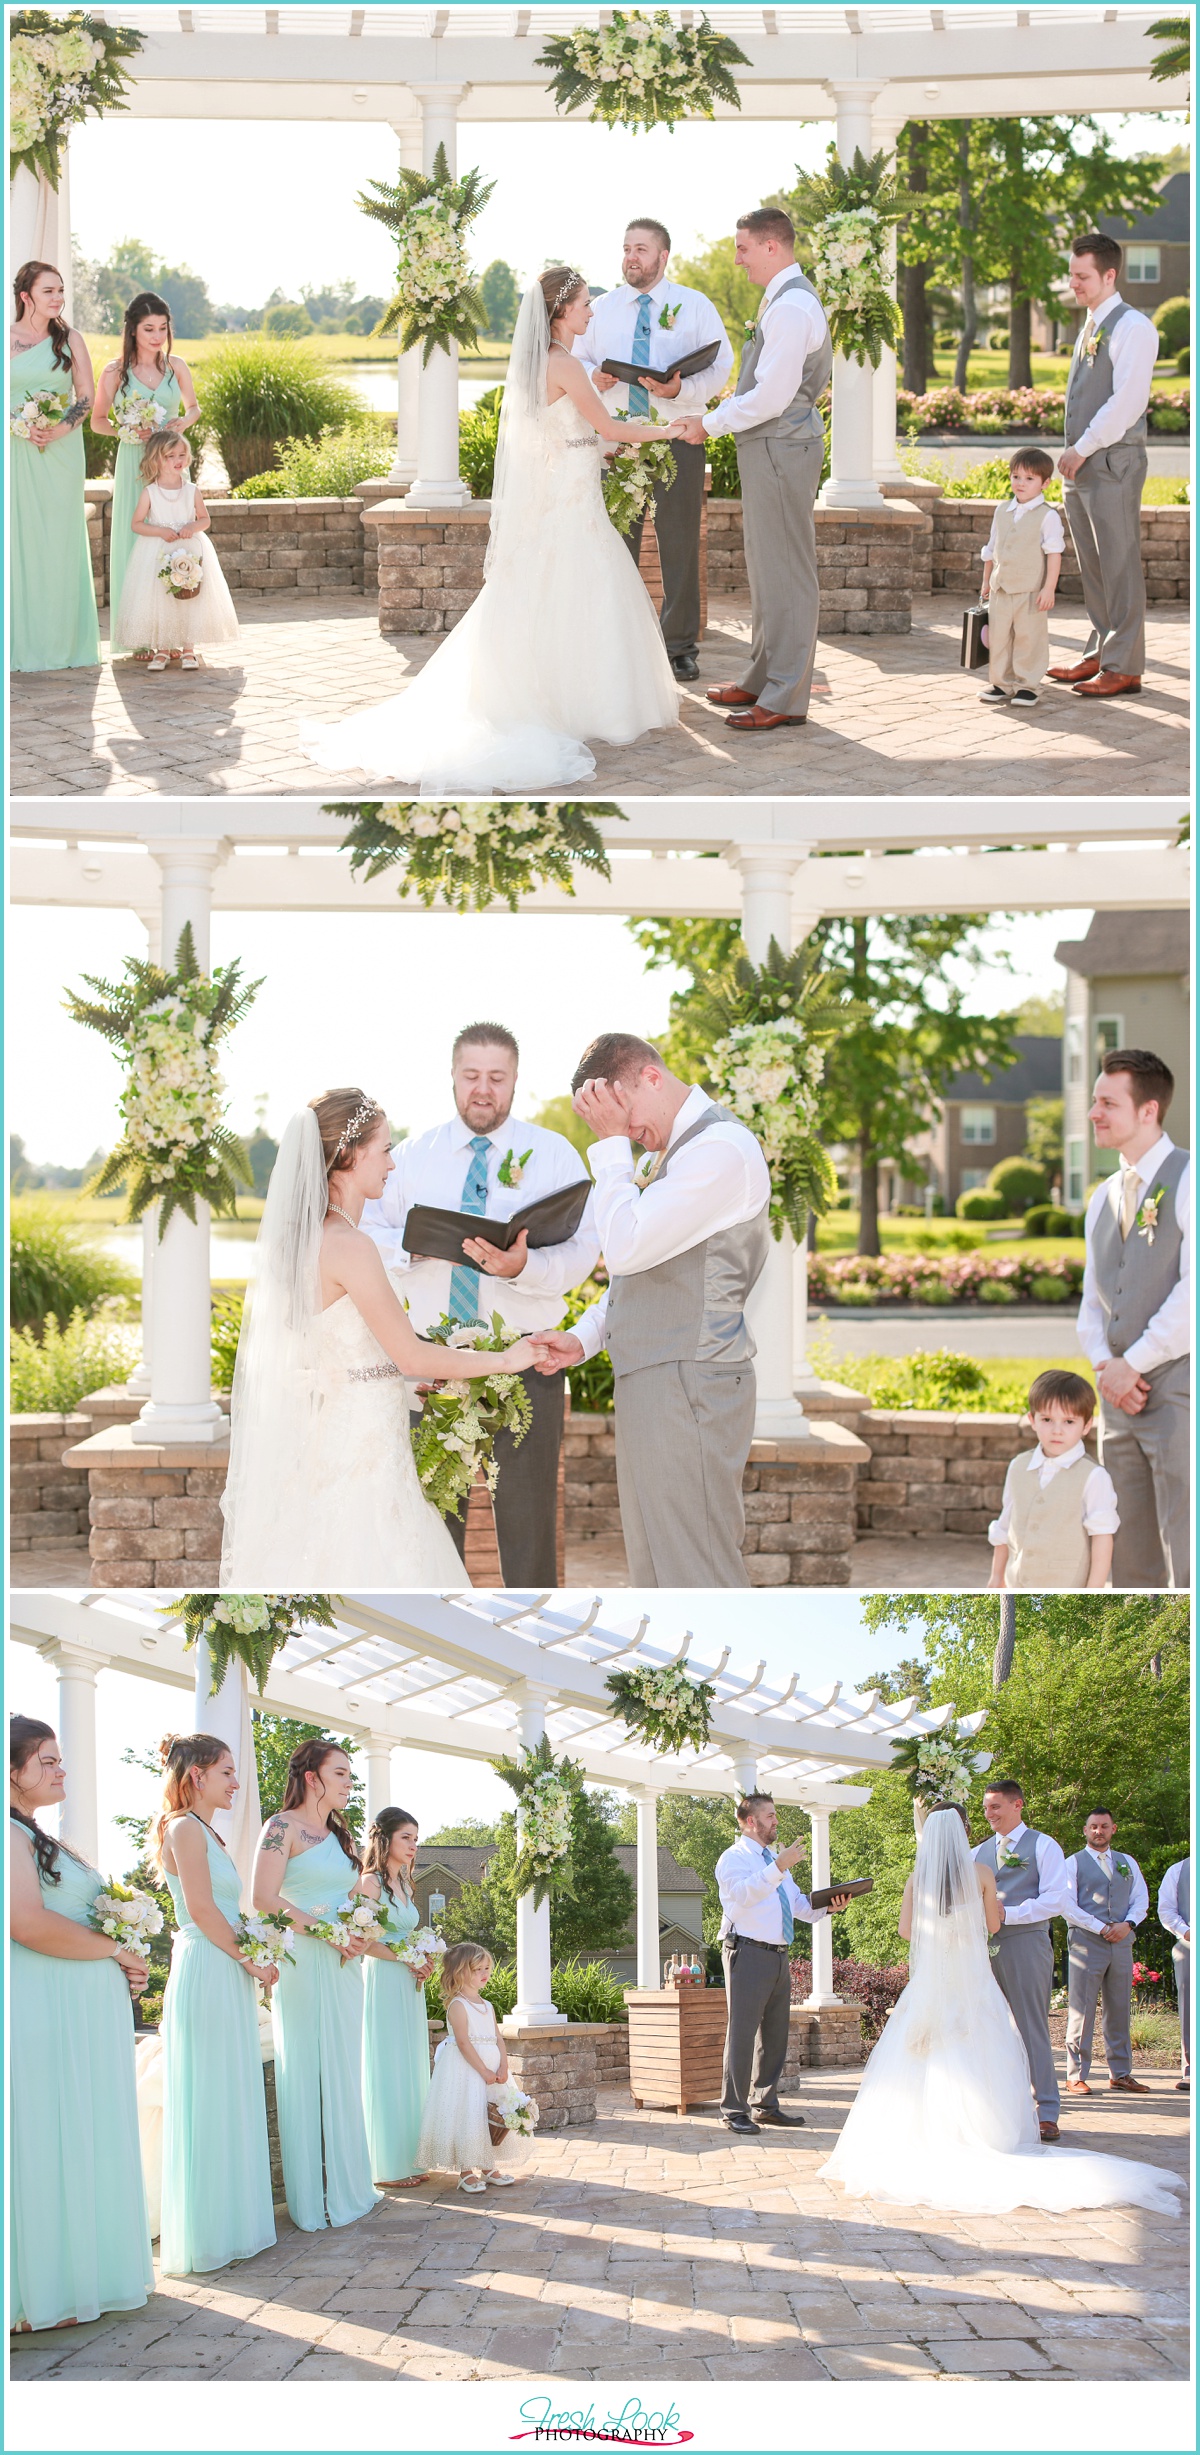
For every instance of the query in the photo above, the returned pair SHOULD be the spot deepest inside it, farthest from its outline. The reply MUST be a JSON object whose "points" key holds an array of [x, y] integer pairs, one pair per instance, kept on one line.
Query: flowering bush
{"points": [[475, 853], [1170, 412], [767, 1060], [38, 409], [61, 70], [851, 209], [936, 1766], [642, 72], [661, 1703], [174, 1147], [454, 1438], [436, 300], [630, 479], [546, 1791], [951, 410], [922, 1278], [249, 1628], [877, 1990]]}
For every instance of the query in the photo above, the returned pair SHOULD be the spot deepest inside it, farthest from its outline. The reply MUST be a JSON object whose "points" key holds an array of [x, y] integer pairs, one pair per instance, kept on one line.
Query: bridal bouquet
{"points": [[180, 570], [263, 1937], [455, 1437], [425, 1945], [516, 2110], [643, 72], [630, 479], [41, 409], [130, 1917], [131, 411], [349, 1919]]}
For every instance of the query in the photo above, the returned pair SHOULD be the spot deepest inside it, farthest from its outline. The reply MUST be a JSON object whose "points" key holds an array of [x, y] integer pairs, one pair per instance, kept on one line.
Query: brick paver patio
{"points": [[890, 716], [643, 2247]]}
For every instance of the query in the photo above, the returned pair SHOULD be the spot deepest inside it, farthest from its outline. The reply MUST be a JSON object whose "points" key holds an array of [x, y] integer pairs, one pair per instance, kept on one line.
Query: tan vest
{"points": [[1047, 1545], [1018, 564]]}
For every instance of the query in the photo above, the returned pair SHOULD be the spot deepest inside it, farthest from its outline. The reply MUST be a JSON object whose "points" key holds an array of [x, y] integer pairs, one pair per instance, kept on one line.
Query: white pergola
{"points": [[425, 70], [475, 1676], [778, 866]]}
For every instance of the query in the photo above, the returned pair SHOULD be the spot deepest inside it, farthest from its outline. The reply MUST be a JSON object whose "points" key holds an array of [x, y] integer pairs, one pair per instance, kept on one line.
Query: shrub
{"points": [[1048, 1219], [227, 1310], [937, 1293], [877, 1990], [980, 1203], [997, 1291], [855, 1291], [54, 1268], [258, 395], [1155, 2033], [592, 1385], [1174, 322], [723, 461], [334, 464], [1019, 1182], [932, 1380], [1168, 420], [1046, 1290], [1183, 359], [49, 1376], [587, 1990], [478, 429], [99, 454]]}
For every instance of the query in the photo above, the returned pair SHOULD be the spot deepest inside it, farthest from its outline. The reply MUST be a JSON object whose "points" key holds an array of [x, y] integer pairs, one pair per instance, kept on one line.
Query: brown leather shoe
{"points": [[1131, 2087], [761, 720], [1049, 2131], [1075, 673], [1080, 2088], [1108, 686], [729, 695]]}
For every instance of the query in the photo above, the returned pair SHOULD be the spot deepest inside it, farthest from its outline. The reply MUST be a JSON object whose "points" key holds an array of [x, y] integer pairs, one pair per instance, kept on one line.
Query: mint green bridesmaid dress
{"points": [[317, 2013], [80, 2237], [128, 480], [216, 2168], [52, 597], [395, 2052]]}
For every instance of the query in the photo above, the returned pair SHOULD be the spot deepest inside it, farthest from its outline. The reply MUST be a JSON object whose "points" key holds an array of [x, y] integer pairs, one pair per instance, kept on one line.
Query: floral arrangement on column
{"points": [[546, 1790], [61, 70], [437, 299], [770, 1027], [662, 1704], [849, 211], [476, 853], [246, 1628], [454, 1437], [937, 1767], [167, 1027], [643, 72]]}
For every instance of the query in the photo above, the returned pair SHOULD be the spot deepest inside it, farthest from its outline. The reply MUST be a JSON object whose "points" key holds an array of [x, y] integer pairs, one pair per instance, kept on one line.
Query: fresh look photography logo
{"points": [[632, 2424]]}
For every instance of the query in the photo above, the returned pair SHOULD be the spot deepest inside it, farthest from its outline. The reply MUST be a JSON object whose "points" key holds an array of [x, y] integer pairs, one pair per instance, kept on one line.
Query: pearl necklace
{"points": [[342, 1214]]}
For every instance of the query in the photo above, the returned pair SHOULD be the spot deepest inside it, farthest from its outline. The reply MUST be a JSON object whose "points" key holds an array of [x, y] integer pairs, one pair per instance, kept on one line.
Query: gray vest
{"points": [[801, 417], [1013, 1883], [1135, 1276], [1103, 1897], [691, 1309], [1090, 382], [1183, 1891]]}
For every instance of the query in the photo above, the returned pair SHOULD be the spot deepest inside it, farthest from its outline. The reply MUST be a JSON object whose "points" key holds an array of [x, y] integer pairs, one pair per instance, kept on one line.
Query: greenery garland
{"points": [[454, 1437], [643, 72], [167, 1025], [61, 70], [476, 853], [546, 1791], [769, 1028], [437, 300], [936, 1767], [662, 1704], [630, 479], [249, 1628], [850, 211]]}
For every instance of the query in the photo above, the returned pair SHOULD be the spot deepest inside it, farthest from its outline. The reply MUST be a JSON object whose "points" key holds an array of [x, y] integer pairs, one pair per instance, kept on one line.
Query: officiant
{"points": [[487, 1161], [652, 322]]}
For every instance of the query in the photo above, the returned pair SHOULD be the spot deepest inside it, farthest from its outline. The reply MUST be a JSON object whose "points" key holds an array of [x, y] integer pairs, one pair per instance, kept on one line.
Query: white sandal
{"points": [[189, 662], [495, 2175], [473, 2187], [158, 664]]}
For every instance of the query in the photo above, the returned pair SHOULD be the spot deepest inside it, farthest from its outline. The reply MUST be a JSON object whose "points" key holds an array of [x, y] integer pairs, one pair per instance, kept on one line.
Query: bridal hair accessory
{"points": [[361, 1117], [569, 287]]}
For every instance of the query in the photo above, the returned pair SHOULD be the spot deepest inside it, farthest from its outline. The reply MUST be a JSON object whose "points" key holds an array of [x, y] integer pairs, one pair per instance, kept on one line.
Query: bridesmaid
{"points": [[307, 1865], [53, 598], [216, 2170], [80, 2239], [395, 2027], [145, 368]]}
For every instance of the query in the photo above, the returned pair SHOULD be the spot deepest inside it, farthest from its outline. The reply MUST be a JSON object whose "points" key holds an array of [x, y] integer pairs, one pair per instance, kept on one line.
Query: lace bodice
{"points": [[576, 452], [173, 511], [350, 1352]]}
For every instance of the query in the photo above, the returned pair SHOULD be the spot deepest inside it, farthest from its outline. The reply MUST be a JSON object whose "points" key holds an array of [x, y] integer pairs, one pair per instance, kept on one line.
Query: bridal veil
{"points": [[276, 1377]]}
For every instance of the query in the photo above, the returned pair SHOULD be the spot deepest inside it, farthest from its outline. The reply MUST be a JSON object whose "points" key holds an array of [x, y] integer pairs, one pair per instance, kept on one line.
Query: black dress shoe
{"points": [[738, 2122], [776, 2115], [686, 668]]}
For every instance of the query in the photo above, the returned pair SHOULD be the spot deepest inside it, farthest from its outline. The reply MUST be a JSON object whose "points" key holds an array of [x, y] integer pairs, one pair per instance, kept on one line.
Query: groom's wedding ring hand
{"points": [[498, 1264]]}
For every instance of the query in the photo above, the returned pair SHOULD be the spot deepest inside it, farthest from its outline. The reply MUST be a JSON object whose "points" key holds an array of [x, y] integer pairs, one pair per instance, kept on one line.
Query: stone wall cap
{"points": [[401, 514], [116, 1445], [852, 515]]}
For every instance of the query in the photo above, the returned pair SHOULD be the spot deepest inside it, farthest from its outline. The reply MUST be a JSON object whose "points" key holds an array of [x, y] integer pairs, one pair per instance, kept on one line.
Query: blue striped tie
{"points": [[789, 1923], [464, 1283], [639, 398]]}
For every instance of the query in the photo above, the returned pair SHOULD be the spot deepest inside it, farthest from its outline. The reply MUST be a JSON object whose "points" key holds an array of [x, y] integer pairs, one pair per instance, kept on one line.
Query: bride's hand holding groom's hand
{"points": [[560, 1349], [687, 430]]}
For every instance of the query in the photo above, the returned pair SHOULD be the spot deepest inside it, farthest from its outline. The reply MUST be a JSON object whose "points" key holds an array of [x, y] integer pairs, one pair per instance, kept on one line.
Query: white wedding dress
{"points": [[944, 2116], [561, 647]]}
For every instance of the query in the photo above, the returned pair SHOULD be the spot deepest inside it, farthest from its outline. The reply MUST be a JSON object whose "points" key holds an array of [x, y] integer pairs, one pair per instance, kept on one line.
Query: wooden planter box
{"points": [[676, 2045]]}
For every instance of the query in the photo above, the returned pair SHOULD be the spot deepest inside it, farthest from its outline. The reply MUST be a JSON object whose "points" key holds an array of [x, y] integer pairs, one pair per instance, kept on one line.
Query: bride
{"points": [[322, 1489], [562, 645], [944, 2116]]}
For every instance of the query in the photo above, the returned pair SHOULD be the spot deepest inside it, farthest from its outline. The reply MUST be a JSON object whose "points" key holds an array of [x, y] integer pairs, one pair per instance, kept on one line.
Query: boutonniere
{"points": [[1009, 1858], [511, 1170], [668, 318], [645, 1169], [1147, 1218], [1094, 341], [1122, 1866], [751, 325]]}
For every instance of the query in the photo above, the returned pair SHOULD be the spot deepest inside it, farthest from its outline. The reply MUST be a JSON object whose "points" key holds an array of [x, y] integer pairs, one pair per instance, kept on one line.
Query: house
{"points": [[442, 1870], [1128, 986], [980, 1120], [1157, 247]]}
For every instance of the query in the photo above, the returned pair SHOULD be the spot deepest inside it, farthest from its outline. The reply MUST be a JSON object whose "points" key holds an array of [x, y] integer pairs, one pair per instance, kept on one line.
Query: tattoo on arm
{"points": [[75, 415], [276, 1834]]}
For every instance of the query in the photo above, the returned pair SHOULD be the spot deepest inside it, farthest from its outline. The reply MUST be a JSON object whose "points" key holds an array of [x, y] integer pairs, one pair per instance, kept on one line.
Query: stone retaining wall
{"points": [[960, 531], [800, 1499], [564, 2067], [49, 1500], [824, 2038], [936, 1473], [871, 563]]}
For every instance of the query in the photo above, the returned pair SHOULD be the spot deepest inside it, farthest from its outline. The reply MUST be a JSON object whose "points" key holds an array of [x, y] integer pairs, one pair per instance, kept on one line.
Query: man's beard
{"points": [[490, 1115]]}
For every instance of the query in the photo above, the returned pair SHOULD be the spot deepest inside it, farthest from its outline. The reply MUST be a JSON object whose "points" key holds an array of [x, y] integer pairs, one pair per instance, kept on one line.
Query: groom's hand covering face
{"points": [[606, 1107]]}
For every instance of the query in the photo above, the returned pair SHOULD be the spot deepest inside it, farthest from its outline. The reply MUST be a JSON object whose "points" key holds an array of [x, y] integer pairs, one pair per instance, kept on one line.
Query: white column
{"points": [[648, 1971], [851, 480], [883, 380], [138, 1383], [438, 485], [745, 1771], [822, 1932], [39, 223], [79, 1816], [408, 133], [768, 873], [533, 2008], [227, 1716], [378, 1755]]}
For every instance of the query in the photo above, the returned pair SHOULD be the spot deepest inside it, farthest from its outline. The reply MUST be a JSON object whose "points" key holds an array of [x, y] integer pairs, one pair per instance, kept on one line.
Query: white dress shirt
{"points": [[433, 1170], [1100, 1514], [1168, 1333], [1050, 1899], [1053, 534], [695, 323], [792, 328], [1168, 1903], [749, 1885], [720, 1180], [1133, 348], [1105, 1860]]}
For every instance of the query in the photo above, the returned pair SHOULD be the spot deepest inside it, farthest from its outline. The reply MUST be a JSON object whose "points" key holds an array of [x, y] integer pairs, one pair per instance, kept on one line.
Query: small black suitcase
{"points": [[974, 651]]}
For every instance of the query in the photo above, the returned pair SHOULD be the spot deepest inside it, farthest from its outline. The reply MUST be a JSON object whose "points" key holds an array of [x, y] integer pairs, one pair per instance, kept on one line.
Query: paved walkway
{"points": [[643, 2247], [890, 716]]}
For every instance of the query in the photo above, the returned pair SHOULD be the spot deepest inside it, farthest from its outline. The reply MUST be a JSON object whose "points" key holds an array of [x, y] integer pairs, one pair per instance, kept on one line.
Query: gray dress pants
{"points": [[1023, 1969], [1182, 1957], [678, 511], [1103, 504], [525, 1500], [1099, 1973], [1149, 1459], [683, 1438], [780, 475], [758, 1992]]}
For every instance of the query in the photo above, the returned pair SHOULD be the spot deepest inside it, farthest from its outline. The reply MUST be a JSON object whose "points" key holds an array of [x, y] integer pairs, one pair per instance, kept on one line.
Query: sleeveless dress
{"points": [[395, 2053], [127, 478], [147, 615], [561, 647], [454, 2127], [80, 2236], [52, 595], [216, 2165], [317, 2014]]}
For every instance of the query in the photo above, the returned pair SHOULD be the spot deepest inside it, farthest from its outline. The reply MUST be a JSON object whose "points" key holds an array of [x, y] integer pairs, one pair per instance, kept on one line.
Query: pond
{"points": [[376, 386], [232, 1254]]}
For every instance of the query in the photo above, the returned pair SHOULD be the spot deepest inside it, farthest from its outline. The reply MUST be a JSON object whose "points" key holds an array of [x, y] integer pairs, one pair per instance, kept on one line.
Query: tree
{"points": [[916, 269], [1044, 1134], [502, 299], [275, 1738], [186, 294], [471, 1834], [558, 1117], [1043, 1016], [286, 319], [718, 274]]}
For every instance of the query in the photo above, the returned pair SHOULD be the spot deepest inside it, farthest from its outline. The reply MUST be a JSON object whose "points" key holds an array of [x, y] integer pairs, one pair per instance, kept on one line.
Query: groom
{"points": [[1031, 1880], [685, 1236]]}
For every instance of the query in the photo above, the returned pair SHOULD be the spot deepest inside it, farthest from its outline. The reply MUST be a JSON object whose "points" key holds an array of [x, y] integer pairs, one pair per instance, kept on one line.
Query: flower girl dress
{"points": [[148, 616], [454, 2127]]}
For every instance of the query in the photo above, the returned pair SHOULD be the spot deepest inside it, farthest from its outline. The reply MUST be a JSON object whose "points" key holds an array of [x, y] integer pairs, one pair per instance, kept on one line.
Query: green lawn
{"points": [[112, 1214], [838, 1233], [333, 348], [987, 370]]}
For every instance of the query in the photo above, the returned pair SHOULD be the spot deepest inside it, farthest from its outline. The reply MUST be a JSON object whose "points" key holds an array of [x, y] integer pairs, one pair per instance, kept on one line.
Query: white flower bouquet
{"points": [[40, 409], [130, 1917], [131, 411], [851, 207], [630, 479], [180, 569], [516, 2110], [248, 1628], [454, 1438], [425, 1944], [477, 853], [349, 1920], [437, 301], [661, 1703], [938, 1767], [263, 1937]]}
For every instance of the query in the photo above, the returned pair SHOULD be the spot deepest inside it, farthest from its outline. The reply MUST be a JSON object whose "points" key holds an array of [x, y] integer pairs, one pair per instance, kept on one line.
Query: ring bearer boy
{"points": [[1106, 1901]]}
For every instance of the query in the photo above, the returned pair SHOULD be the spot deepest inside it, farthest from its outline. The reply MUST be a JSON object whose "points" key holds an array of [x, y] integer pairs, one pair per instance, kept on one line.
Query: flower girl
{"points": [[470, 2066], [174, 593]]}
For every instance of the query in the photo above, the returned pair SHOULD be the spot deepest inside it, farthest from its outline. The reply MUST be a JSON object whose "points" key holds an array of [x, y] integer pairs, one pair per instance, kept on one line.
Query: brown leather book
{"points": [[693, 364], [439, 1234], [856, 1884]]}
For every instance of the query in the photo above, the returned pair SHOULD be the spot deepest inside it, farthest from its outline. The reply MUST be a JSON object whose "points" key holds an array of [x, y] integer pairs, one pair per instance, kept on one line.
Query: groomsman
{"points": [[1106, 1902], [650, 321], [486, 1160], [1134, 1321], [759, 1908], [1175, 1913], [685, 1236], [1031, 1881], [1104, 469]]}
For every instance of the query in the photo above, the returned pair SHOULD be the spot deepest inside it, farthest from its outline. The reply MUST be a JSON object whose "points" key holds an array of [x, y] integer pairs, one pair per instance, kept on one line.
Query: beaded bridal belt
{"points": [[582, 443], [374, 1372]]}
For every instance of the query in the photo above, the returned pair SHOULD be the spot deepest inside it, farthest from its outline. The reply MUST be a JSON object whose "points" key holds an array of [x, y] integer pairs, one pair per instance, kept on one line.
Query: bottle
{"points": [[697, 1972]]}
